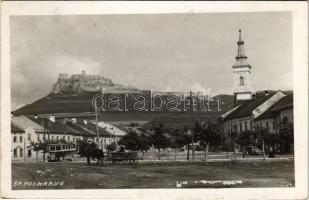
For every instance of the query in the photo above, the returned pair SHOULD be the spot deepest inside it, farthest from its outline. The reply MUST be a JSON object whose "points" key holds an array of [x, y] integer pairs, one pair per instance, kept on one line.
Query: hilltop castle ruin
{"points": [[78, 83]]}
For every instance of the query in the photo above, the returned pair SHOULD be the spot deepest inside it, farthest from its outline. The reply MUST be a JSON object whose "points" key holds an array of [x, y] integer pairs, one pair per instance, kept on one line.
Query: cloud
{"points": [[197, 87], [71, 64]]}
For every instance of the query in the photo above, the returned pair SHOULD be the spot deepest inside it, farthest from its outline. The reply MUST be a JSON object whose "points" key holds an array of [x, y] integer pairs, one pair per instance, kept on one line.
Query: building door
{"points": [[15, 153], [21, 152], [29, 153]]}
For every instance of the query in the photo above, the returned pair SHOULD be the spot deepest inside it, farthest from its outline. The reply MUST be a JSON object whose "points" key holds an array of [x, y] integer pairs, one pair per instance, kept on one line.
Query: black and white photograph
{"points": [[180, 100]]}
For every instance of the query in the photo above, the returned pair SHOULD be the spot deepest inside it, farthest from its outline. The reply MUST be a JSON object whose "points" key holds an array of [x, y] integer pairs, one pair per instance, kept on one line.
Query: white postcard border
{"points": [[300, 84]]}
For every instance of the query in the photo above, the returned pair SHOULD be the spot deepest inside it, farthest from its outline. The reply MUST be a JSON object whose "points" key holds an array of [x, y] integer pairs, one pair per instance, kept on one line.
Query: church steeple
{"points": [[241, 70], [241, 58]]}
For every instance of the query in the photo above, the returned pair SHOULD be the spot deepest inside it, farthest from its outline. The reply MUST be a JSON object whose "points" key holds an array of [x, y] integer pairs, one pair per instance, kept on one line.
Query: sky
{"points": [[165, 52]]}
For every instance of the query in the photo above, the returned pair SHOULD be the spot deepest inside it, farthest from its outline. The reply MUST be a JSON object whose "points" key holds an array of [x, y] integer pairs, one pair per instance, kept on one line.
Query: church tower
{"points": [[241, 70]]}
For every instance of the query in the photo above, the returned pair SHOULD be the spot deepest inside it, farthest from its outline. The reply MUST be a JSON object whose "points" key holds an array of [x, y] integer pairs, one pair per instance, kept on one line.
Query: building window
{"points": [[15, 153], [15, 139], [29, 153], [21, 152], [21, 139], [57, 138], [267, 125], [38, 137], [246, 126], [52, 137], [241, 81], [29, 137], [63, 137], [68, 138], [274, 125], [240, 126]]}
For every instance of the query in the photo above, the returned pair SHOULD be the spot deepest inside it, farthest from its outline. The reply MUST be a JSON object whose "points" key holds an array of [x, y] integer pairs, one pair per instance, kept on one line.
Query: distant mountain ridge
{"points": [[74, 94]]}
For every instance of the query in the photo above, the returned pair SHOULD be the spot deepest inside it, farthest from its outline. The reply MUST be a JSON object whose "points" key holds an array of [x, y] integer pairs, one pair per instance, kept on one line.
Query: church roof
{"points": [[246, 108]]}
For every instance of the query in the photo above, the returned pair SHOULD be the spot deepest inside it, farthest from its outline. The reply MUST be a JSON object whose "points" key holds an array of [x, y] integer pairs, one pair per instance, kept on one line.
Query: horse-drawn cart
{"points": [[123, 157]]}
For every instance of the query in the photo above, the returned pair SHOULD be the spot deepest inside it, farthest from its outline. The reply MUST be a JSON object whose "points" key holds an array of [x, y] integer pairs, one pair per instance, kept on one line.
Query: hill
{"points": [[73, 97]]}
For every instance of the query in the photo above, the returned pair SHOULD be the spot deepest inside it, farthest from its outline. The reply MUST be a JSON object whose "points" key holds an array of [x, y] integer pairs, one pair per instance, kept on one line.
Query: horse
{"points": [[90, 150], [97, 154]]}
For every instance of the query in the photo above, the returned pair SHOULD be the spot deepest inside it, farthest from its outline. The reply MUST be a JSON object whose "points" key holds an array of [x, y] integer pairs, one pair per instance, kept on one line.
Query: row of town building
{"points": [[266, 110], [26, 131]]}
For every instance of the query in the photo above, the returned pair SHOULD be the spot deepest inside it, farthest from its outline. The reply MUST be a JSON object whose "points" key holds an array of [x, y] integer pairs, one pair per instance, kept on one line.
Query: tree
{"points": [[178, 140], [134, 142], [261, 134], [86, 149], [207, 134], [40, 146], [233, 136], [185, 139], [271, 139], [159, 139], [112, 146], [286, 133], [144, 142], [244, 139], [130, 141]]}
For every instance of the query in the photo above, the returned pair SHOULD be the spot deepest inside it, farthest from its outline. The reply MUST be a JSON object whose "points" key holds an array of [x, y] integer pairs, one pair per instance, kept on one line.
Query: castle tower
{"points": [[241, 70]]}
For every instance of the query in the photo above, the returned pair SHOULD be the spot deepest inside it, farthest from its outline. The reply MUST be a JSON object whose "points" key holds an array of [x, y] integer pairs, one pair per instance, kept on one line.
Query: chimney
{"points": [[52, 118], [266, 92]]}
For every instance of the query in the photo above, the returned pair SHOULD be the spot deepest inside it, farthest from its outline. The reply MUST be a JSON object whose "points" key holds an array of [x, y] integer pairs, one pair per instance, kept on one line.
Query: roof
{"points": [[246, 108], [111, 129], [24, 122], [82, 130], [16, 129], [265, 115], [284, 103], [55, 127], [92, 128]]}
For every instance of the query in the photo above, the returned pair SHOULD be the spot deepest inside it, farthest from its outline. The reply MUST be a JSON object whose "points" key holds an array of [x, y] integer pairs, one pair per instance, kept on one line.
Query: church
{"points": [[255, 109]]}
